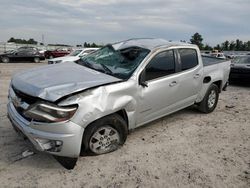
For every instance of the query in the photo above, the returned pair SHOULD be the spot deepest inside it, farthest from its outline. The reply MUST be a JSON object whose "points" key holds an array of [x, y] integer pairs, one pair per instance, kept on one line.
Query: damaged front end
{"points": [[54, 105]]}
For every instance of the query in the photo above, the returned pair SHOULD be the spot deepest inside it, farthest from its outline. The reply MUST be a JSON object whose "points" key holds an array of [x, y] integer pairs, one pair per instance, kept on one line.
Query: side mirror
{"points": [[142, 79]]}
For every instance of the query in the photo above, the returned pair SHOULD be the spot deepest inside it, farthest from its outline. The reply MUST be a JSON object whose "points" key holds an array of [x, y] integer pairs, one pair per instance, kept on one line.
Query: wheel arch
{"points": [[218, 84], [121, 113], [124, 115]]}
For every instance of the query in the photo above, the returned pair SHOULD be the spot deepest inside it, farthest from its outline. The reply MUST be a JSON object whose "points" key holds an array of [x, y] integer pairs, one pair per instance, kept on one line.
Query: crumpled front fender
{"points": [[102, 101]]}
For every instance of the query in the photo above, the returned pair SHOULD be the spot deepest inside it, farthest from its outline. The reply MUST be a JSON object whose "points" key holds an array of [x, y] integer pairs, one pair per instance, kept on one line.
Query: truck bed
{"points": [[211, 60], [217, 69]]}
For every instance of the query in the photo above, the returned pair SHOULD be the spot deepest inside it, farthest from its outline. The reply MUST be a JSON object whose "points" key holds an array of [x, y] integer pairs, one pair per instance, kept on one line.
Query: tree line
{"points": [[93, 45], [22, 41], [32, 41], [233, 45]]}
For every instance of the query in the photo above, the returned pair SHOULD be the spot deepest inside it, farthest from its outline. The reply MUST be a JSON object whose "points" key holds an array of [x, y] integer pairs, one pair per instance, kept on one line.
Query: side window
{"points": [[21, 51], [161, 65], [189, 58]]}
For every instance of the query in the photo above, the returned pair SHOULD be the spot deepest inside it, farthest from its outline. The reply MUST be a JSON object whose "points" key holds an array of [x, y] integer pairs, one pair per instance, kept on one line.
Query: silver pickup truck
{"points": [[89, 106]]}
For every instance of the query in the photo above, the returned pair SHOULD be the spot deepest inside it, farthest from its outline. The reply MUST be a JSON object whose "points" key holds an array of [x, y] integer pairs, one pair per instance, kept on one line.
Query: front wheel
{"points": [[5, 60], [104, 135], [210, 100]]}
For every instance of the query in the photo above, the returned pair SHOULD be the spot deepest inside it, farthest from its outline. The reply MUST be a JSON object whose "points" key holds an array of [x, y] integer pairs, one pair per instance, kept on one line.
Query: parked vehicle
{"points": [[240, 68], [73, 56], [59, 52], [215, 53], [89, 106], [22, 54], [218, 55]]}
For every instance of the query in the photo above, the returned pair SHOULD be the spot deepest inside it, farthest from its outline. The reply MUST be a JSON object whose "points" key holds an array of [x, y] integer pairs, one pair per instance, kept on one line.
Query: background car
{"points": [[240, 68], [22, 54], [59, 52], [73, 56]]}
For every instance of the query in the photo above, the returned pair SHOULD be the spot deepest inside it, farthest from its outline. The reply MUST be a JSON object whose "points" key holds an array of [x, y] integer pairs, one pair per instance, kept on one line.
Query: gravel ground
{"points": [[185, 149]]}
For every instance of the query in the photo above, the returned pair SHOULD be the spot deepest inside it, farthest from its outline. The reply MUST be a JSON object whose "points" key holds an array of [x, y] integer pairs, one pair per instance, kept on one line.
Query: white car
{"points": [[73, 56]]}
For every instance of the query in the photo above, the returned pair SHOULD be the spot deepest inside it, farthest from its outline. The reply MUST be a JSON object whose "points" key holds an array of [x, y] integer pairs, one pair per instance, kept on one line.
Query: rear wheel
{"points": [[5, 60], [210, 100], [104, 135], [36, 59]]}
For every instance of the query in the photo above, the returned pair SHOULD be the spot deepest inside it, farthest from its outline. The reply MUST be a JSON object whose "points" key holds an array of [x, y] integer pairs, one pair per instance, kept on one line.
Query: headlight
{"points": [[50, 113]]}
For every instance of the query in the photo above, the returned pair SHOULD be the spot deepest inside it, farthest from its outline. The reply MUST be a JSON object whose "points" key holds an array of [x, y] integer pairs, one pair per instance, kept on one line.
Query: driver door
{"points": [[159, 96], [20, 55]]}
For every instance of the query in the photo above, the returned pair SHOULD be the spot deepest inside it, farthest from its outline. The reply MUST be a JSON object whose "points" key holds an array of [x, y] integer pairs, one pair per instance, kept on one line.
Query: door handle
{"points": [[196, 76], [172, 83]]}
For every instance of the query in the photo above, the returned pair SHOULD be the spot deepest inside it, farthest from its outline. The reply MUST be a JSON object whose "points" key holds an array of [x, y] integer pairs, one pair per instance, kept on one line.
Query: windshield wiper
{"points": [[106, 69], [86, 64]]}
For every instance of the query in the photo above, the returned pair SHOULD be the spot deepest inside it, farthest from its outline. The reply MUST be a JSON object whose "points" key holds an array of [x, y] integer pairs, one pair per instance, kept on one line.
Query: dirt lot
{"points": [[186, 149]]}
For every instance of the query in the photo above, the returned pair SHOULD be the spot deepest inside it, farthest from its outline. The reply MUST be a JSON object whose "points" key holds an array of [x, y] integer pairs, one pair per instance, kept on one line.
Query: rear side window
{"points": [[161, 65], [189, 58]]}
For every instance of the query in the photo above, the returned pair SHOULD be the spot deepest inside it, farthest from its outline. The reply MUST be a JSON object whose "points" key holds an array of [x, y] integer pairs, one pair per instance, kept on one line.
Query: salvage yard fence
{"points": [[4, 46]]}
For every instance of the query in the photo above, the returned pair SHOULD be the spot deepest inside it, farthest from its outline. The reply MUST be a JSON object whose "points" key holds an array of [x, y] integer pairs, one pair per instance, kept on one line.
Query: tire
{"points": [[37, 60], [104, 135], [5, 60], [210, 100], [51, 56]]}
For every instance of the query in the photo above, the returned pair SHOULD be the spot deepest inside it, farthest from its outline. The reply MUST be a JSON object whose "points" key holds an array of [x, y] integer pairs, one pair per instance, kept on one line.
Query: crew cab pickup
{"points": [[89, 106]]}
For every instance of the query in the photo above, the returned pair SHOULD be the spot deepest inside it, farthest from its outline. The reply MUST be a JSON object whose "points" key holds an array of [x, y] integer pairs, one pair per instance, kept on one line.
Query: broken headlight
{"points": [[44, 112]]}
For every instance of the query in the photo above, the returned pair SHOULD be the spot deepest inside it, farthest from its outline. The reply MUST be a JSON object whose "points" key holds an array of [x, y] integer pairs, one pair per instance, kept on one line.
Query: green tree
{"points": [[247, 46], [232, 45], [218, 47], [225, 45], [31, 41], [22, 41], [238, 45], [11, 40], [207, 47], [197, 39], [93, 45]]}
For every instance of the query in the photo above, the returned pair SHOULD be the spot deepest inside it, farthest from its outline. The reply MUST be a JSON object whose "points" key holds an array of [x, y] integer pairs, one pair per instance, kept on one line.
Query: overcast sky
{"points": [[104, 21]]}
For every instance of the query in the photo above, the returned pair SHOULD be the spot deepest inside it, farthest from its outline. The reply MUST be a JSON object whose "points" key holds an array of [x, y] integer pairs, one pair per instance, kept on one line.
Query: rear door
{"points": [[190, 73], [31, 53]]}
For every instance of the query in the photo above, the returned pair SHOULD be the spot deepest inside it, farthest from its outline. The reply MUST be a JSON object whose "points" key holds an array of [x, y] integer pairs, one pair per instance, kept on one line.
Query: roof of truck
{"points": [[147, 43]]}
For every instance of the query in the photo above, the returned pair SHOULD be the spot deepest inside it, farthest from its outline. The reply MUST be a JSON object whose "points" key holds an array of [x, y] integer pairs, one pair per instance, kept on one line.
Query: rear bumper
{"points": [[65, 138]]}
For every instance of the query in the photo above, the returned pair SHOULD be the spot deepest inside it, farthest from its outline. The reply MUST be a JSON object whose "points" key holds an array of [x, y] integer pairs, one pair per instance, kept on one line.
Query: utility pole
{"points": [[43, 39]]}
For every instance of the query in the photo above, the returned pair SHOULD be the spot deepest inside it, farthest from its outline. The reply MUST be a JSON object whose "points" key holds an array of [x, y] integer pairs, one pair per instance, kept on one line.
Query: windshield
{"points": [[75, 53], [118, 63], [241, 60]]}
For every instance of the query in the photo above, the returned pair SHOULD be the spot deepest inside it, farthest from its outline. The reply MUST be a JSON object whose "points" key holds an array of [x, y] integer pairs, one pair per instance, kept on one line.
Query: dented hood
{"points": [[52, 82]]}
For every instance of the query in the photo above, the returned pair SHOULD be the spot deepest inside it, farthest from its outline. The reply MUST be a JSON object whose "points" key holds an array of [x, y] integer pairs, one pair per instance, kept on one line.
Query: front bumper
{"points": [[67, 133]]}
